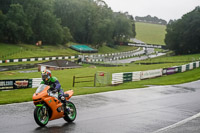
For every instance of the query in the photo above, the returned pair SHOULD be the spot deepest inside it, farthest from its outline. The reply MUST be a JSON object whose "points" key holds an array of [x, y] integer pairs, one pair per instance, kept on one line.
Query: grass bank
{"points": [[150, 33], [23, 95], [15, 51], [172, 59]]}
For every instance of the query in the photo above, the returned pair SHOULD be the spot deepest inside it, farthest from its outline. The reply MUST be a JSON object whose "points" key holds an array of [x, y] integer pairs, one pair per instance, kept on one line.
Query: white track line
{"points": [[178, 123]]}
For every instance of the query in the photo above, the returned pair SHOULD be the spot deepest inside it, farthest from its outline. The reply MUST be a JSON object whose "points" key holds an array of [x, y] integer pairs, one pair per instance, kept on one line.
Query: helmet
{"points": [[46, 75]]}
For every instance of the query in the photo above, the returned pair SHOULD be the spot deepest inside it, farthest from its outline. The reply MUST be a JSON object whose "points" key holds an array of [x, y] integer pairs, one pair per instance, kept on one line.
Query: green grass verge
{"points": [[23, 95], [11, 51], [105, 49], [150, 33], [171, 59]]}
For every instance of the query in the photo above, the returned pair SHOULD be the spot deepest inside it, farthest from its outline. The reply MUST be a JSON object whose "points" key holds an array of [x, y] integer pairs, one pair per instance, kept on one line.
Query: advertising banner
{"points": [[117, 78], [187, 67], [197, 64], [183, 68], [127, 77], [194, 65], [151, 73], [169, 71], [15, 84], [191, 66], [136, 76], [6, 84]]}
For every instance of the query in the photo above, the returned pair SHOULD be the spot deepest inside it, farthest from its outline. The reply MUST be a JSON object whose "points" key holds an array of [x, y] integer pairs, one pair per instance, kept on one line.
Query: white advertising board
{"points": [[136, 76], [183, 68], [197, 64], [117, 78], [191, 66], [151, 73]]}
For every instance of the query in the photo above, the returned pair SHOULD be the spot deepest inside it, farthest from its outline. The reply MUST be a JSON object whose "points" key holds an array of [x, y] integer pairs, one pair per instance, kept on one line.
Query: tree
{"points": [[2, 25], [5, 5], [150, 19], [183, 35], [59, 21], [123, 28], [17, 28], [45, 25]]}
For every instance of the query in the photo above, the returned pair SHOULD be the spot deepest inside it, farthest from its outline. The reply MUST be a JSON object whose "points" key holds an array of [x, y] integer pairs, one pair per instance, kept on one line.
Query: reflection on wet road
{"points": [[128, 111]]}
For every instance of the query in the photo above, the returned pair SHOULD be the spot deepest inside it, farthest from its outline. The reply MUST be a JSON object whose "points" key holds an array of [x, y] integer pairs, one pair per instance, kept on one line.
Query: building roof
{"points": [[60, 64], [83, 49]]}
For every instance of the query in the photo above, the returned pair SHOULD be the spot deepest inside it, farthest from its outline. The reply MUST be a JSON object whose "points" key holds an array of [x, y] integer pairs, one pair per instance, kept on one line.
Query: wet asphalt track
{"points": [[157, 109]]}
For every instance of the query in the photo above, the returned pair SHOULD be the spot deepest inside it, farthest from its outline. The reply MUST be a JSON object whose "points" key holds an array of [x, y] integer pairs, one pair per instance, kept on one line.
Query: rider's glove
{"points": [[62, 98], [54, 91]]}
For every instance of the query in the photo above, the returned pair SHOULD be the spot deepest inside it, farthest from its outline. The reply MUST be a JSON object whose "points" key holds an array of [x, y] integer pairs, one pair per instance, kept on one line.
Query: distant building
{"points": [[83, 49], [57, 65]]}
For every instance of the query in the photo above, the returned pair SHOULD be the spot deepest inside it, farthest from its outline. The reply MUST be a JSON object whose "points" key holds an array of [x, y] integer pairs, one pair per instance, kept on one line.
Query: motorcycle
{"points": [[49, 107]]}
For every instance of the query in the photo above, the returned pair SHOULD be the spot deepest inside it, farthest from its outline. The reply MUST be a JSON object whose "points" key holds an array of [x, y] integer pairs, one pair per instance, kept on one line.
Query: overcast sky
{"points": [[164, 9]]}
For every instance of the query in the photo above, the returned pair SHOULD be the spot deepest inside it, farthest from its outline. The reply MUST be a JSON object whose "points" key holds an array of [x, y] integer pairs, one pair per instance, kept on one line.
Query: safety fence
{"points": [[98, 79], [84, 79], [119, 78]]}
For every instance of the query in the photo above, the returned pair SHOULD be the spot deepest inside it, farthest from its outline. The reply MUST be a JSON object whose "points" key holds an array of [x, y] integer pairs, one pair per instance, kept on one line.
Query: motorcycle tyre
{"points": [[67, 117], [37, 119]]}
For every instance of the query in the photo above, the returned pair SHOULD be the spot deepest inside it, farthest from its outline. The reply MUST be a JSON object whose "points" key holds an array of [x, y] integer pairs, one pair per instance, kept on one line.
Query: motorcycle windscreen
{"points": [[41, 88]]}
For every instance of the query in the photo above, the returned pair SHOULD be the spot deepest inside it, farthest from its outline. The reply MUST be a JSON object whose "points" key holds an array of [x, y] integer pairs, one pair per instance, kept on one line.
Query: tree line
{"points": [[150, 19], [183, 35], [61, 21]]}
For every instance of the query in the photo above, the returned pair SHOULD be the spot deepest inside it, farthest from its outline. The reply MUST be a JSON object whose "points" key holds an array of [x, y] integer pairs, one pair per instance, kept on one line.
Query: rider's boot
{"points": [[64, 103]]}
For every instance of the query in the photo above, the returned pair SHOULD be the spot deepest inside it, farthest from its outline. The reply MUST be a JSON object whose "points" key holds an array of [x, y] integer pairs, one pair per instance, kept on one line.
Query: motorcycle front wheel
{"points": [[41, 115], [71, 113]]}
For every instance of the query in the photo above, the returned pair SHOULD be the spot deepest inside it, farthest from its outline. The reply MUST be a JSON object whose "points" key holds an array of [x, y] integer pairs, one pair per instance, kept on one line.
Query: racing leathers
{"points": [[55, 87]]}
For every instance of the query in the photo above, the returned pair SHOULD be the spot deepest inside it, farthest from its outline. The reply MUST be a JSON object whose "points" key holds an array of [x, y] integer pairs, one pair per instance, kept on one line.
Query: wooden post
{"points": [[74, 81], [94, 79]]}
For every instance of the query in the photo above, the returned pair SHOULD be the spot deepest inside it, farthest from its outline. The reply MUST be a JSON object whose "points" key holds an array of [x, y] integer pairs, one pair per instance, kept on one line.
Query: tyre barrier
{"points": [[38, 59], [119, 78]]}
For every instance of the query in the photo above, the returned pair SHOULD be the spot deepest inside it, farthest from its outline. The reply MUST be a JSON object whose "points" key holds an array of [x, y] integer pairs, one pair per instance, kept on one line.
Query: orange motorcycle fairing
{"points": [[70, 93], [49, 107], [38, 97], [54, 104]]}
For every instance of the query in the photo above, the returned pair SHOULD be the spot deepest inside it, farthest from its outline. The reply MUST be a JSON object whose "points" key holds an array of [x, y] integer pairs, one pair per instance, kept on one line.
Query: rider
{"points": [[54, 84]]}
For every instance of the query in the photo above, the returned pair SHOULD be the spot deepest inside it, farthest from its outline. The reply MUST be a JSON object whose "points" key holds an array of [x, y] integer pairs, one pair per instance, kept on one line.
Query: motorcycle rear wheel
{"points": [[41, 115], [70, 115]]}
